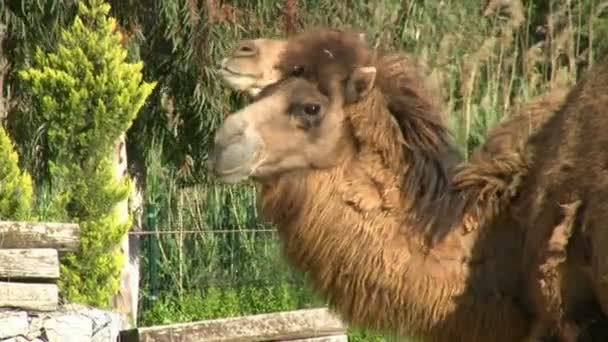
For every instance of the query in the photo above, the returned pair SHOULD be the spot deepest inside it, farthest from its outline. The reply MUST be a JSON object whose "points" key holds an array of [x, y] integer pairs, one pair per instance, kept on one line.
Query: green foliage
{"points": [[16, 192], [230, 301], [227, 301], [86, 96], [29, 24]]}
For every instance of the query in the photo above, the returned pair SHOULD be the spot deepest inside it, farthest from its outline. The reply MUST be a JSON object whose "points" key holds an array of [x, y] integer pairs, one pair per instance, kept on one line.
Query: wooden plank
{"points": [[290, 325], [40, 263], [38, 297], [61, 236], [335, 338]]}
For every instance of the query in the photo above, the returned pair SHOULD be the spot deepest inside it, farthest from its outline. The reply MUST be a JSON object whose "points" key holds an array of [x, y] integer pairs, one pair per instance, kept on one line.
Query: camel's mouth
{"points": [[236, 175], [242, 77], [240, 81], [227, 71]]}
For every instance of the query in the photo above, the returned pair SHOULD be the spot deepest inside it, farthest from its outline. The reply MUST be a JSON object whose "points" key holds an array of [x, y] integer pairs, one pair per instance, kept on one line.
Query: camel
{"points": [[370, 200], [506, 137]]}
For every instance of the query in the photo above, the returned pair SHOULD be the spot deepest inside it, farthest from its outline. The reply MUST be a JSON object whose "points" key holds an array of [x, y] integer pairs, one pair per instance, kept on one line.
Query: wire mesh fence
{"points": [[217, 273]]}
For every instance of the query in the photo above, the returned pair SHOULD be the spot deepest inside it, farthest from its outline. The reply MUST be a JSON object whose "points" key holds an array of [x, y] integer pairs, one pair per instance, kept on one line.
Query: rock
{"points": [[68, 327], [69, 323], [23, 339], [106, 325], [13, 323]]}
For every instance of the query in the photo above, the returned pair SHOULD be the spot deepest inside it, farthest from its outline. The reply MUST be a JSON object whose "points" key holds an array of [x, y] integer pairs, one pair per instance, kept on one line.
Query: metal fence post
{"points": [[153, 241]]}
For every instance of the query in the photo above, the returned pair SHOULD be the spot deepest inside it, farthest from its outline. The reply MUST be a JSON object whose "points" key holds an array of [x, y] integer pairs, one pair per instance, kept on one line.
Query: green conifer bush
{"points": [[15, 186], [87, 96]]}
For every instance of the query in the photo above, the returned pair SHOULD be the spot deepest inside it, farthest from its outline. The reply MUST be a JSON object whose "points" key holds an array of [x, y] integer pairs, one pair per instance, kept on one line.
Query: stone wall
{"points": [[69, 323]]}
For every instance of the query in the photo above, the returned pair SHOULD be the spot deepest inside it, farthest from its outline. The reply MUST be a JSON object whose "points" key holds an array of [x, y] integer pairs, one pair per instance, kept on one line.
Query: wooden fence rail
{"points": [[61, 236], [29, 262], [17, 263], [318, 325]]}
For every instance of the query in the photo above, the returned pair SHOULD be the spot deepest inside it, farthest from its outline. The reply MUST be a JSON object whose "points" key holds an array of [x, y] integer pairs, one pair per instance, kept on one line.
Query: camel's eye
{"points": [[297, 70], [307, 110], [311, 109]]}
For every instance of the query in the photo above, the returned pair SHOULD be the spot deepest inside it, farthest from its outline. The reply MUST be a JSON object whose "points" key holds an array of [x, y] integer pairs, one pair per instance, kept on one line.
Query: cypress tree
{"points": [[87, 96]]}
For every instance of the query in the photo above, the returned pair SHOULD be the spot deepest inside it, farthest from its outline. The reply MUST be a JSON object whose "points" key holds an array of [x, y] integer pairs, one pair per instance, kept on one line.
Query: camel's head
{"points": [[251, 65], [298, 123]]}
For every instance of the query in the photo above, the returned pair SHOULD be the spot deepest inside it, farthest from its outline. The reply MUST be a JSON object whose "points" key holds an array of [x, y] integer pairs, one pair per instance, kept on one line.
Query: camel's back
{"points": [[569, 162], [509, 135], [569, 154]]}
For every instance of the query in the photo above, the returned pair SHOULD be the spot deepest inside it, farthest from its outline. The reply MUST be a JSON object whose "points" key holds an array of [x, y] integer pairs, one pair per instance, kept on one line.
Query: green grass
{"points": [[227, 301]]}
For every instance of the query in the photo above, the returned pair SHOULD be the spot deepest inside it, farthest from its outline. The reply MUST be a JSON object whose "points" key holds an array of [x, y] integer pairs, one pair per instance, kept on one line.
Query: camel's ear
{"points": [[360, 83]]}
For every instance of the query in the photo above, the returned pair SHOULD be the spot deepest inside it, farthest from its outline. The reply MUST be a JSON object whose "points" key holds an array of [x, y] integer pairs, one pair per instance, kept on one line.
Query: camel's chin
{"points": [[237, 174], [238, 81]]}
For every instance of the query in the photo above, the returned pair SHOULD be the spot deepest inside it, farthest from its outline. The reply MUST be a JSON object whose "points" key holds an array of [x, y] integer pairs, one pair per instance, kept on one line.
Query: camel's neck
{"points": [[352, 240], [412, 154]]}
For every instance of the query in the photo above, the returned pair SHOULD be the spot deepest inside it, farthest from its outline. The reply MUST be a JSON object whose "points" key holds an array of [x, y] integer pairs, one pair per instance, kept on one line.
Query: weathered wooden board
{"points": [[42, 263], [290, 325], [60, 236], [335, 338], [40, 297]]}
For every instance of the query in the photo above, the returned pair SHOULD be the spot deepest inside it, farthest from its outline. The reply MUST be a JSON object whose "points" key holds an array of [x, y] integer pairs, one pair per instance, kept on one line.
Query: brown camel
{"points": [[506, 137], [361, 179]]}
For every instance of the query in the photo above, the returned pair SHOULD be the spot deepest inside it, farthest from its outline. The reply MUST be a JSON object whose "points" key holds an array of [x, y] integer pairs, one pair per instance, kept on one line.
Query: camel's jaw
{"points": [[238, 174]]}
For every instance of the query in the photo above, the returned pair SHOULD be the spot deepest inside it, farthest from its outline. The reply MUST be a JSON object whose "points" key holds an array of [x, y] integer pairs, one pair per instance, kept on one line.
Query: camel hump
{"points": [[491, 183]]}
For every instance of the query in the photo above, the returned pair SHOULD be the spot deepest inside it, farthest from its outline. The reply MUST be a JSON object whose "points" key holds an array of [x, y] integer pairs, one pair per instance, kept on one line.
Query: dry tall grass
{"points": [[488, 57]]}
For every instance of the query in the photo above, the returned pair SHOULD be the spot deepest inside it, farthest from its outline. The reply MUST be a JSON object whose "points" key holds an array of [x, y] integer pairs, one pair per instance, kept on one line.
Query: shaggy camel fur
{"points": [[368, 199], [563, 205]]}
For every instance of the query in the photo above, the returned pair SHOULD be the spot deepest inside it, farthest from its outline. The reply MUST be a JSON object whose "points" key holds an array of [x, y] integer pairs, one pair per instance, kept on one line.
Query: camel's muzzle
{"points": [[236, 150]]}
